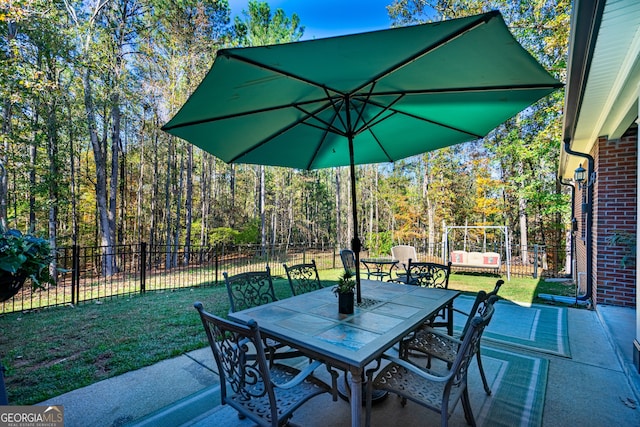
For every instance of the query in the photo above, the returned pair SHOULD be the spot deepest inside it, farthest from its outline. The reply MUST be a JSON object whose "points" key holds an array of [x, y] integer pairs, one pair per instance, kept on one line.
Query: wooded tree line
{"points": [[86, 85]]}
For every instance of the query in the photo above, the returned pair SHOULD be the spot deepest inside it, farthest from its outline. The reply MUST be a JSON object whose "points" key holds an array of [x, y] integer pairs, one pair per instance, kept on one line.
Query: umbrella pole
{"points": [[356, 245]]}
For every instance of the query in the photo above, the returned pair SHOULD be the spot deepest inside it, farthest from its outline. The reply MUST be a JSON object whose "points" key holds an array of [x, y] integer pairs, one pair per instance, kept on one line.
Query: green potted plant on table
{"points": [[344, 290], [22, 257]]}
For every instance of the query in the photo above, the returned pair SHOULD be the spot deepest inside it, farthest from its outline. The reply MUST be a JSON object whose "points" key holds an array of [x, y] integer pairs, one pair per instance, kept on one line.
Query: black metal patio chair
{"points": [[348, 258], [251, 289], [438, 391], [430, 275], [433, 343], [268, 394], [303, 277]]}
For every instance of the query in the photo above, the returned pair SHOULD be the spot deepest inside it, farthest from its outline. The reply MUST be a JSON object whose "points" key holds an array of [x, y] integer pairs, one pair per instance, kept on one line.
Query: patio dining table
{"points": [[311, 323]]}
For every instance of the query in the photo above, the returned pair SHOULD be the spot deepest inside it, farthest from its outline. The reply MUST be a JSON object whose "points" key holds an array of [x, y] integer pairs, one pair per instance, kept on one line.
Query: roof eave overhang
{"points": [[585, 25], [603, 76]]}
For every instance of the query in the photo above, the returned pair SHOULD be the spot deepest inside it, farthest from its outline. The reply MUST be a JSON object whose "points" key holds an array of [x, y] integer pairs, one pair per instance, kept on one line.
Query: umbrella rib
{"points": [[384, 108], [337, 108], [277, 70], [380, 145], [329, 125], [287, 128], [475, 135], [483, 19], [413, 116], [317, 150], [365, 101], [472, 89], [244, 113]]}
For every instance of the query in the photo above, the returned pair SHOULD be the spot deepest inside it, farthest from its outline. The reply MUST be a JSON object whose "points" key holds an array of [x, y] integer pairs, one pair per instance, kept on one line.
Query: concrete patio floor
{"points": [[597, 386]]}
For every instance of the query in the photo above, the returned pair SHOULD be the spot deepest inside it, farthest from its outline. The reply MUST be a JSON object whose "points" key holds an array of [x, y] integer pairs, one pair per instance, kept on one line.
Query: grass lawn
{"points": [[52, 351]]}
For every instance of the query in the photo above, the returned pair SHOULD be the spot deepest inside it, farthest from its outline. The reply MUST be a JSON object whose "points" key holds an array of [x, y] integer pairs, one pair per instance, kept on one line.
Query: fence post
{"points": [[75, 274], [143, 267], [3, 391], [333, 261], [217, 261], [535, 261]]}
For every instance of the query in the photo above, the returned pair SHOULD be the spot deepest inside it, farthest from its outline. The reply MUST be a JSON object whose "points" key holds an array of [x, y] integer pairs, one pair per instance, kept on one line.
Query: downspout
{"points": [[589, 222], [577, 300]]}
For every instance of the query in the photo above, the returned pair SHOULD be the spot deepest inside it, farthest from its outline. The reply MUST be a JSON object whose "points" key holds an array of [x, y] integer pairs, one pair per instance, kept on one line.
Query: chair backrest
{"points": [[496, 288], [303, 277], [481, 298], [480, 304], [249, 289], [429, 274], [404, 253], [471, 342], [348, 258], [243, 374]]}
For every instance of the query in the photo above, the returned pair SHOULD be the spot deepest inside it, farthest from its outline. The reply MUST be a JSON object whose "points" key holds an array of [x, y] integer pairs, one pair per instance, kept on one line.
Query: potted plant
{"points": [[344, 290], [22, 257]]}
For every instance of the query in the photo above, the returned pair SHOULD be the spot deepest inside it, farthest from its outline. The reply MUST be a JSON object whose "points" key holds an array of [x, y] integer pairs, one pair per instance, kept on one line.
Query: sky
{"points": [[326, 18]]}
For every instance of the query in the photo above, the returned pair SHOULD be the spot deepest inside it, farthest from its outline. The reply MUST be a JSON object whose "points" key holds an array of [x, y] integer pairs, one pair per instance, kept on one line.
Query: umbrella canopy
{"points": [[364, 98]]}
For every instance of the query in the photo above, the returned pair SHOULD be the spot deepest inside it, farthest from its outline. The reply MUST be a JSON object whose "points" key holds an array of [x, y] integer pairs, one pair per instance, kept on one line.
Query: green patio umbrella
{"points": [[364, 98]]}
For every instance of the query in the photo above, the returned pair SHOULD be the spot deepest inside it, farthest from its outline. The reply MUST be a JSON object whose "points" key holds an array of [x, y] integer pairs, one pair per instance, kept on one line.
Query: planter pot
{"points": [[345, 303], [10, 285]]}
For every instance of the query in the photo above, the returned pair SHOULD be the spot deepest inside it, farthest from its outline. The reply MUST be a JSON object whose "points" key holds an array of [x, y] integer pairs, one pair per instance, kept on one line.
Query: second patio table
{"points": [[377, 267], [311, 323]]}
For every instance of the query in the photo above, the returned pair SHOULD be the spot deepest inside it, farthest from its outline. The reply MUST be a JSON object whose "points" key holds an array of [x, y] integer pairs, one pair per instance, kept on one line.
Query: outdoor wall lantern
{"points": [[580, 175]]}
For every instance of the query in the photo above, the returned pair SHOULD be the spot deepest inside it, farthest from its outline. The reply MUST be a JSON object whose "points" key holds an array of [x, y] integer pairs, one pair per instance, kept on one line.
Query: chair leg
{"points": [[444, 412], [487, 389], [466, 405]]}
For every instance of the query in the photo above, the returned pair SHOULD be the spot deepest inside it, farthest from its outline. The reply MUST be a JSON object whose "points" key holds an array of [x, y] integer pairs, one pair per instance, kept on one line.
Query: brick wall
{"points": [[614, 212]]}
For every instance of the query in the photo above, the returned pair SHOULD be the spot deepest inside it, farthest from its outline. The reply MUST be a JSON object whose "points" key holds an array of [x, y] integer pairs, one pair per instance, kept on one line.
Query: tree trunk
{"points": [[232, 189], [74, 191], [101, 180], [177, 227], [123, 234], [371, 209], [33, 150], [263, 222], [115, 161], [431, 207], [290, 216], [155, 189], [207, 191], [188, 206], [6, 126], [52, 149], [522, 214], [115, 170], [12, 31], [338, 210], [167, 205], [137, 233]]}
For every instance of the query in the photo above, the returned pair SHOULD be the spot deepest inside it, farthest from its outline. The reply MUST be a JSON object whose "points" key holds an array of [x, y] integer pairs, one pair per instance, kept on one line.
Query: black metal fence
{"points": [[139, 268]]}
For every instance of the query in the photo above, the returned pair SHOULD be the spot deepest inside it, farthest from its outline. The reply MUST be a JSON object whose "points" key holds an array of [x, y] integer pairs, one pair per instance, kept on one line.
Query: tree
{"points": [[260, 28], [182, 39]]}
